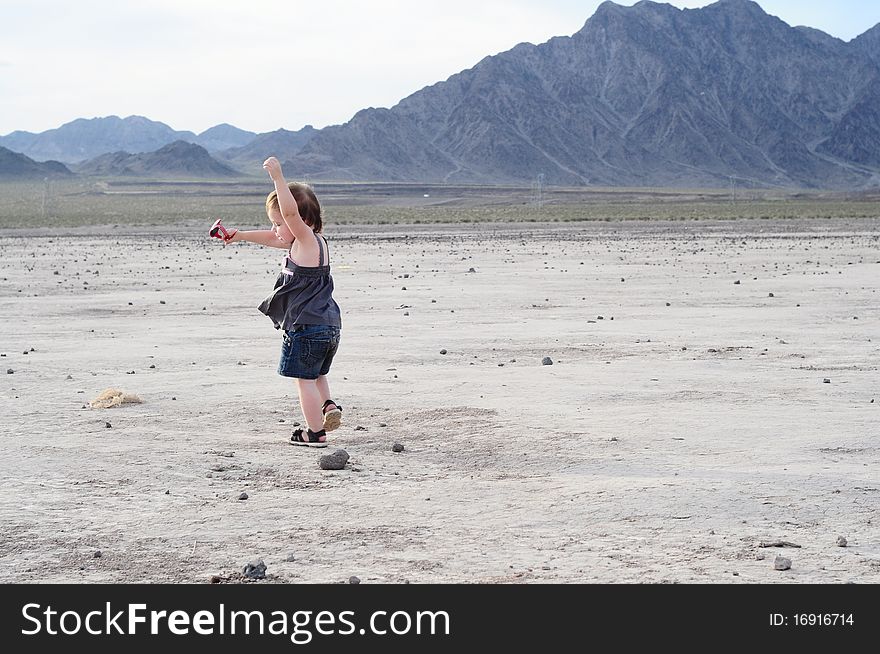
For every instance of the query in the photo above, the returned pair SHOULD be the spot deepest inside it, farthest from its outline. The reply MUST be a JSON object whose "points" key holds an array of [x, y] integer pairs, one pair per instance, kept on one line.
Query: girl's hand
{"points": [[273, 167], [219, 231]]}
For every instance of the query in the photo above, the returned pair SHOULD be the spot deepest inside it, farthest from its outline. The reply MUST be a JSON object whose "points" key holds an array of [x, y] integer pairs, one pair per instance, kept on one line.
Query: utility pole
{"points": [[539, 191], [45, 196]]}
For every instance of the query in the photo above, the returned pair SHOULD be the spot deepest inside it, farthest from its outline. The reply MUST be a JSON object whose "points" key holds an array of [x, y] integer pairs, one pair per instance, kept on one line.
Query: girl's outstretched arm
{"points": [[260, 237], [287, 203]]}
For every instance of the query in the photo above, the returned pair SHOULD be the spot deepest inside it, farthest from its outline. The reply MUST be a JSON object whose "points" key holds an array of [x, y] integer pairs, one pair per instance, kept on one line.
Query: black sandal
{"points": [[332, 418], [310, 440]]}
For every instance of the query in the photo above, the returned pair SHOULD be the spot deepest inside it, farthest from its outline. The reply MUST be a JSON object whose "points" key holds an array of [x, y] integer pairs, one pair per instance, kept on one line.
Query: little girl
{"points": [[302, 302]]}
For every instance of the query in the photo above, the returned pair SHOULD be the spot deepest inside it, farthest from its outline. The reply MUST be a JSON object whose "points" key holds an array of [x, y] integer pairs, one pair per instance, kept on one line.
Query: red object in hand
{"points": [[219, 231]]}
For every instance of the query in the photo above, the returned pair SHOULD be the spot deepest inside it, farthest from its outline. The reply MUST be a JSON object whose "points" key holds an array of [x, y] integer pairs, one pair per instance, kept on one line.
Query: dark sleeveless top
{"points": [[303, 296]]}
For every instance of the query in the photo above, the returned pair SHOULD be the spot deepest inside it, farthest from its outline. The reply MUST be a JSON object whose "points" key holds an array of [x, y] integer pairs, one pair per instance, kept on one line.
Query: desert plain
{"points": [[713, 402]]}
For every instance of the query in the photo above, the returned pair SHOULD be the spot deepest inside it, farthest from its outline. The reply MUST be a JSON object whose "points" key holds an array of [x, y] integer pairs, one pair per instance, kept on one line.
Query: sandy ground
{"points": [[684, 422]]}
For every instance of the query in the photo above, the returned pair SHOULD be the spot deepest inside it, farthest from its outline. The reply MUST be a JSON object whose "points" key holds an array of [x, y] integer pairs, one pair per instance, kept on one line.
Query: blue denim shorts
{"points": [[308, 350]]}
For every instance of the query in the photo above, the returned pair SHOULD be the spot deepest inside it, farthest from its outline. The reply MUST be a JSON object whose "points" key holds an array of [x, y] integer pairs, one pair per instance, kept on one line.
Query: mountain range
{"points": [[177, 159], [641, 95], [648, 95]]}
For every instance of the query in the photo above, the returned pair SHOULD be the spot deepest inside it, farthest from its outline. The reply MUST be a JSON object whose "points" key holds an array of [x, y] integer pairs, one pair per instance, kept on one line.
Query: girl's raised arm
{"points": [[287, 203]]}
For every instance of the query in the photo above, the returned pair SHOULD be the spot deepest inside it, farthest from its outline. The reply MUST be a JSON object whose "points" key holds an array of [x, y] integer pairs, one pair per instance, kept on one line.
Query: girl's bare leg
{"points": [[324, 389], [310, 401]]}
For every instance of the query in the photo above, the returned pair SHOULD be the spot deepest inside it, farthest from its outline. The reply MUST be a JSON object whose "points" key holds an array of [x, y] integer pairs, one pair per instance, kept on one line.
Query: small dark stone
{"points": [[255, 570], [97, 554], [10, 371], [107, 425], [771, 295], [354, 580], [472, 270], [737, 283], [397, 447], [547, 361], [161, 301], [243, 496], [443, 352], [153, 367], [335, 461], [290, 558], [826, 381], [841, 541], [360, 427], [668, 304]]}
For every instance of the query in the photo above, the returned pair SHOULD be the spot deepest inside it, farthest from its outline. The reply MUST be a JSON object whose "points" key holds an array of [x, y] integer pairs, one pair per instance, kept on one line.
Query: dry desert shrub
{"points": [[113, 397]]}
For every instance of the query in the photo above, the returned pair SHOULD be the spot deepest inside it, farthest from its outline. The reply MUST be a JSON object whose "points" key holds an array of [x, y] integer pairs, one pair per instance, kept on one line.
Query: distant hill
{"points": [[83, 138], [14, 165], [648, 95], [223, 137], [282, 144], [175, 160]]}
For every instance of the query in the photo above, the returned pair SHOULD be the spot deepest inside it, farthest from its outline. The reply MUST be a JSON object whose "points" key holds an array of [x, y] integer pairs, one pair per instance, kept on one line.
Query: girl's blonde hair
{"points": [[306, 202]]}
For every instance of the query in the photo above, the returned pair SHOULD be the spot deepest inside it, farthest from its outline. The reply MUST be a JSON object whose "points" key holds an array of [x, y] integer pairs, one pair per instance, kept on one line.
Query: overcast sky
{"points": [[265, 64]]}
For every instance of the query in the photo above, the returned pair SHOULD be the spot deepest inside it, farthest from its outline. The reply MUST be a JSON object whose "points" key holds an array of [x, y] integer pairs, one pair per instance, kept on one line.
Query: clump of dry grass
{"points": [[113, 397]]}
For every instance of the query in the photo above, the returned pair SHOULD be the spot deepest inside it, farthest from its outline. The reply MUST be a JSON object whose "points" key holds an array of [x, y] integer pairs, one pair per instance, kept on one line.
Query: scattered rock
{"points": [[443, 352], [737, 283], [243, 496], [107, 425], [397, 447], [547, 361], [841, 541], [97, 554], [360, 428], [355, 580], [771, 295], [777, 543], [472, 270], [782, 563], [290, 558], [10, 371], [335, 461], [255, 570], [826, 381]]}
